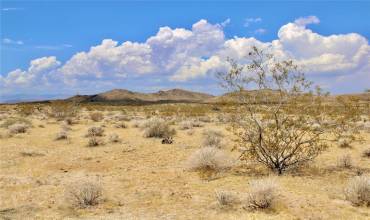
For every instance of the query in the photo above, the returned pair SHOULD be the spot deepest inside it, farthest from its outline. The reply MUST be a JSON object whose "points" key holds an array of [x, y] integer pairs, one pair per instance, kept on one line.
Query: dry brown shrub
{"points": [[62, 135], [94, 141], [262, 194], [83, 195], [95, 131], [114, 138], [345, 161], [96, 116], [226, 198], [358, 191], [158, 128], [18, 128], [209, 160]]}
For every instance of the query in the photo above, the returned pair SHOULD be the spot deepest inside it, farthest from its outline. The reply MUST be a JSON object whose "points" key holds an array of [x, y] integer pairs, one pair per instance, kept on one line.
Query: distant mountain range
{"points": [[123, 96], [126, 97]]}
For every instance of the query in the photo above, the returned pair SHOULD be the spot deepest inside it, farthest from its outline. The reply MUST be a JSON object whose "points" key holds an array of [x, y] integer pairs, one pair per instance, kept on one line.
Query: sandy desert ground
{"points": [[142, 178]]}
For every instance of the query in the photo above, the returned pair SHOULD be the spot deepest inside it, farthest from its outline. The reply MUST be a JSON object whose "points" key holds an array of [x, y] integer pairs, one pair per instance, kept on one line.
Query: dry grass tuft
{"points": [[212, 138], [18, 128], [345, 161], [11, 121], [358, 191], [226, 198], [262, 194], [96, 116], [94, 142], [120, 125], [95, 131], [114, 138], [158, 128], [83, 195], [209, 159], [68, 121], [62, 135], [344, 143]]}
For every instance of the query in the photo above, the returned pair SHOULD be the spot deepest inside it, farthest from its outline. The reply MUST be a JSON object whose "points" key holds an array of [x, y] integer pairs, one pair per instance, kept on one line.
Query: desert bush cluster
{"points": [[95, 132], [212, 138], [85, 194], [209, 160], [62, 110], [157, 127]]}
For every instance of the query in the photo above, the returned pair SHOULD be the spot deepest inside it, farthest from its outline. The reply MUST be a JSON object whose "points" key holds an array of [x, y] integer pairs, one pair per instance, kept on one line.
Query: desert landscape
{"points": [[184, 110], [60, 147]]}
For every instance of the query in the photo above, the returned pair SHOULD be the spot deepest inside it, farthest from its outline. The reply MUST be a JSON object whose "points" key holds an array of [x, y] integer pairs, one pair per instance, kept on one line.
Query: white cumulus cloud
{"points": [[179, 54], [37, 72]]}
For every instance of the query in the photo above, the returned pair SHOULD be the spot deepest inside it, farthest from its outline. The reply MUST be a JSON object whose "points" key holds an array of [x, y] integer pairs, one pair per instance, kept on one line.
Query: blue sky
{"points": [[58, 30]]}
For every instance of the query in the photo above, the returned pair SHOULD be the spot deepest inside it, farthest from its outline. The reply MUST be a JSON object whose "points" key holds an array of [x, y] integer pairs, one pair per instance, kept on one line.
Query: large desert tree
{"points": [[280, 121]]}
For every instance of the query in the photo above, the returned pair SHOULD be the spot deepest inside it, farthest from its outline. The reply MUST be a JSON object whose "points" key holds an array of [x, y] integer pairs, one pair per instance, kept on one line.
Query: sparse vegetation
{"points": [[94, 141], [263, 193], [11, 121], [95, 131], [120, 125], [212, 138], [209, 160], [114, 138], [96, 116], [18, 128], [225, 153], [158, 128], [345, 161], [358, 191], [62, 110], [62, 135], [85, 194], [226, 198]]}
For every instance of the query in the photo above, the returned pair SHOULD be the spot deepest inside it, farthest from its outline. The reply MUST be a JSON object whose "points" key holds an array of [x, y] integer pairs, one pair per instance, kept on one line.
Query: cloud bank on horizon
{"points": [[181, 55]]}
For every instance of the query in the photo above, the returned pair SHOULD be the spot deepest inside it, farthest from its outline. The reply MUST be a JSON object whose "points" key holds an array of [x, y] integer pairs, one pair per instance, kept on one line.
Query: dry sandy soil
{"points": [[144, 179]]}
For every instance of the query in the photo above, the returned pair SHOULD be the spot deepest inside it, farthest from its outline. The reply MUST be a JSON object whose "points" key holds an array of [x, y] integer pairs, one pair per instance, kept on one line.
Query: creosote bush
{"points": [[209, 159], [358, 191], [158, 128], [95, 131], [262, 193], [83, 195], [278, 110]]}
